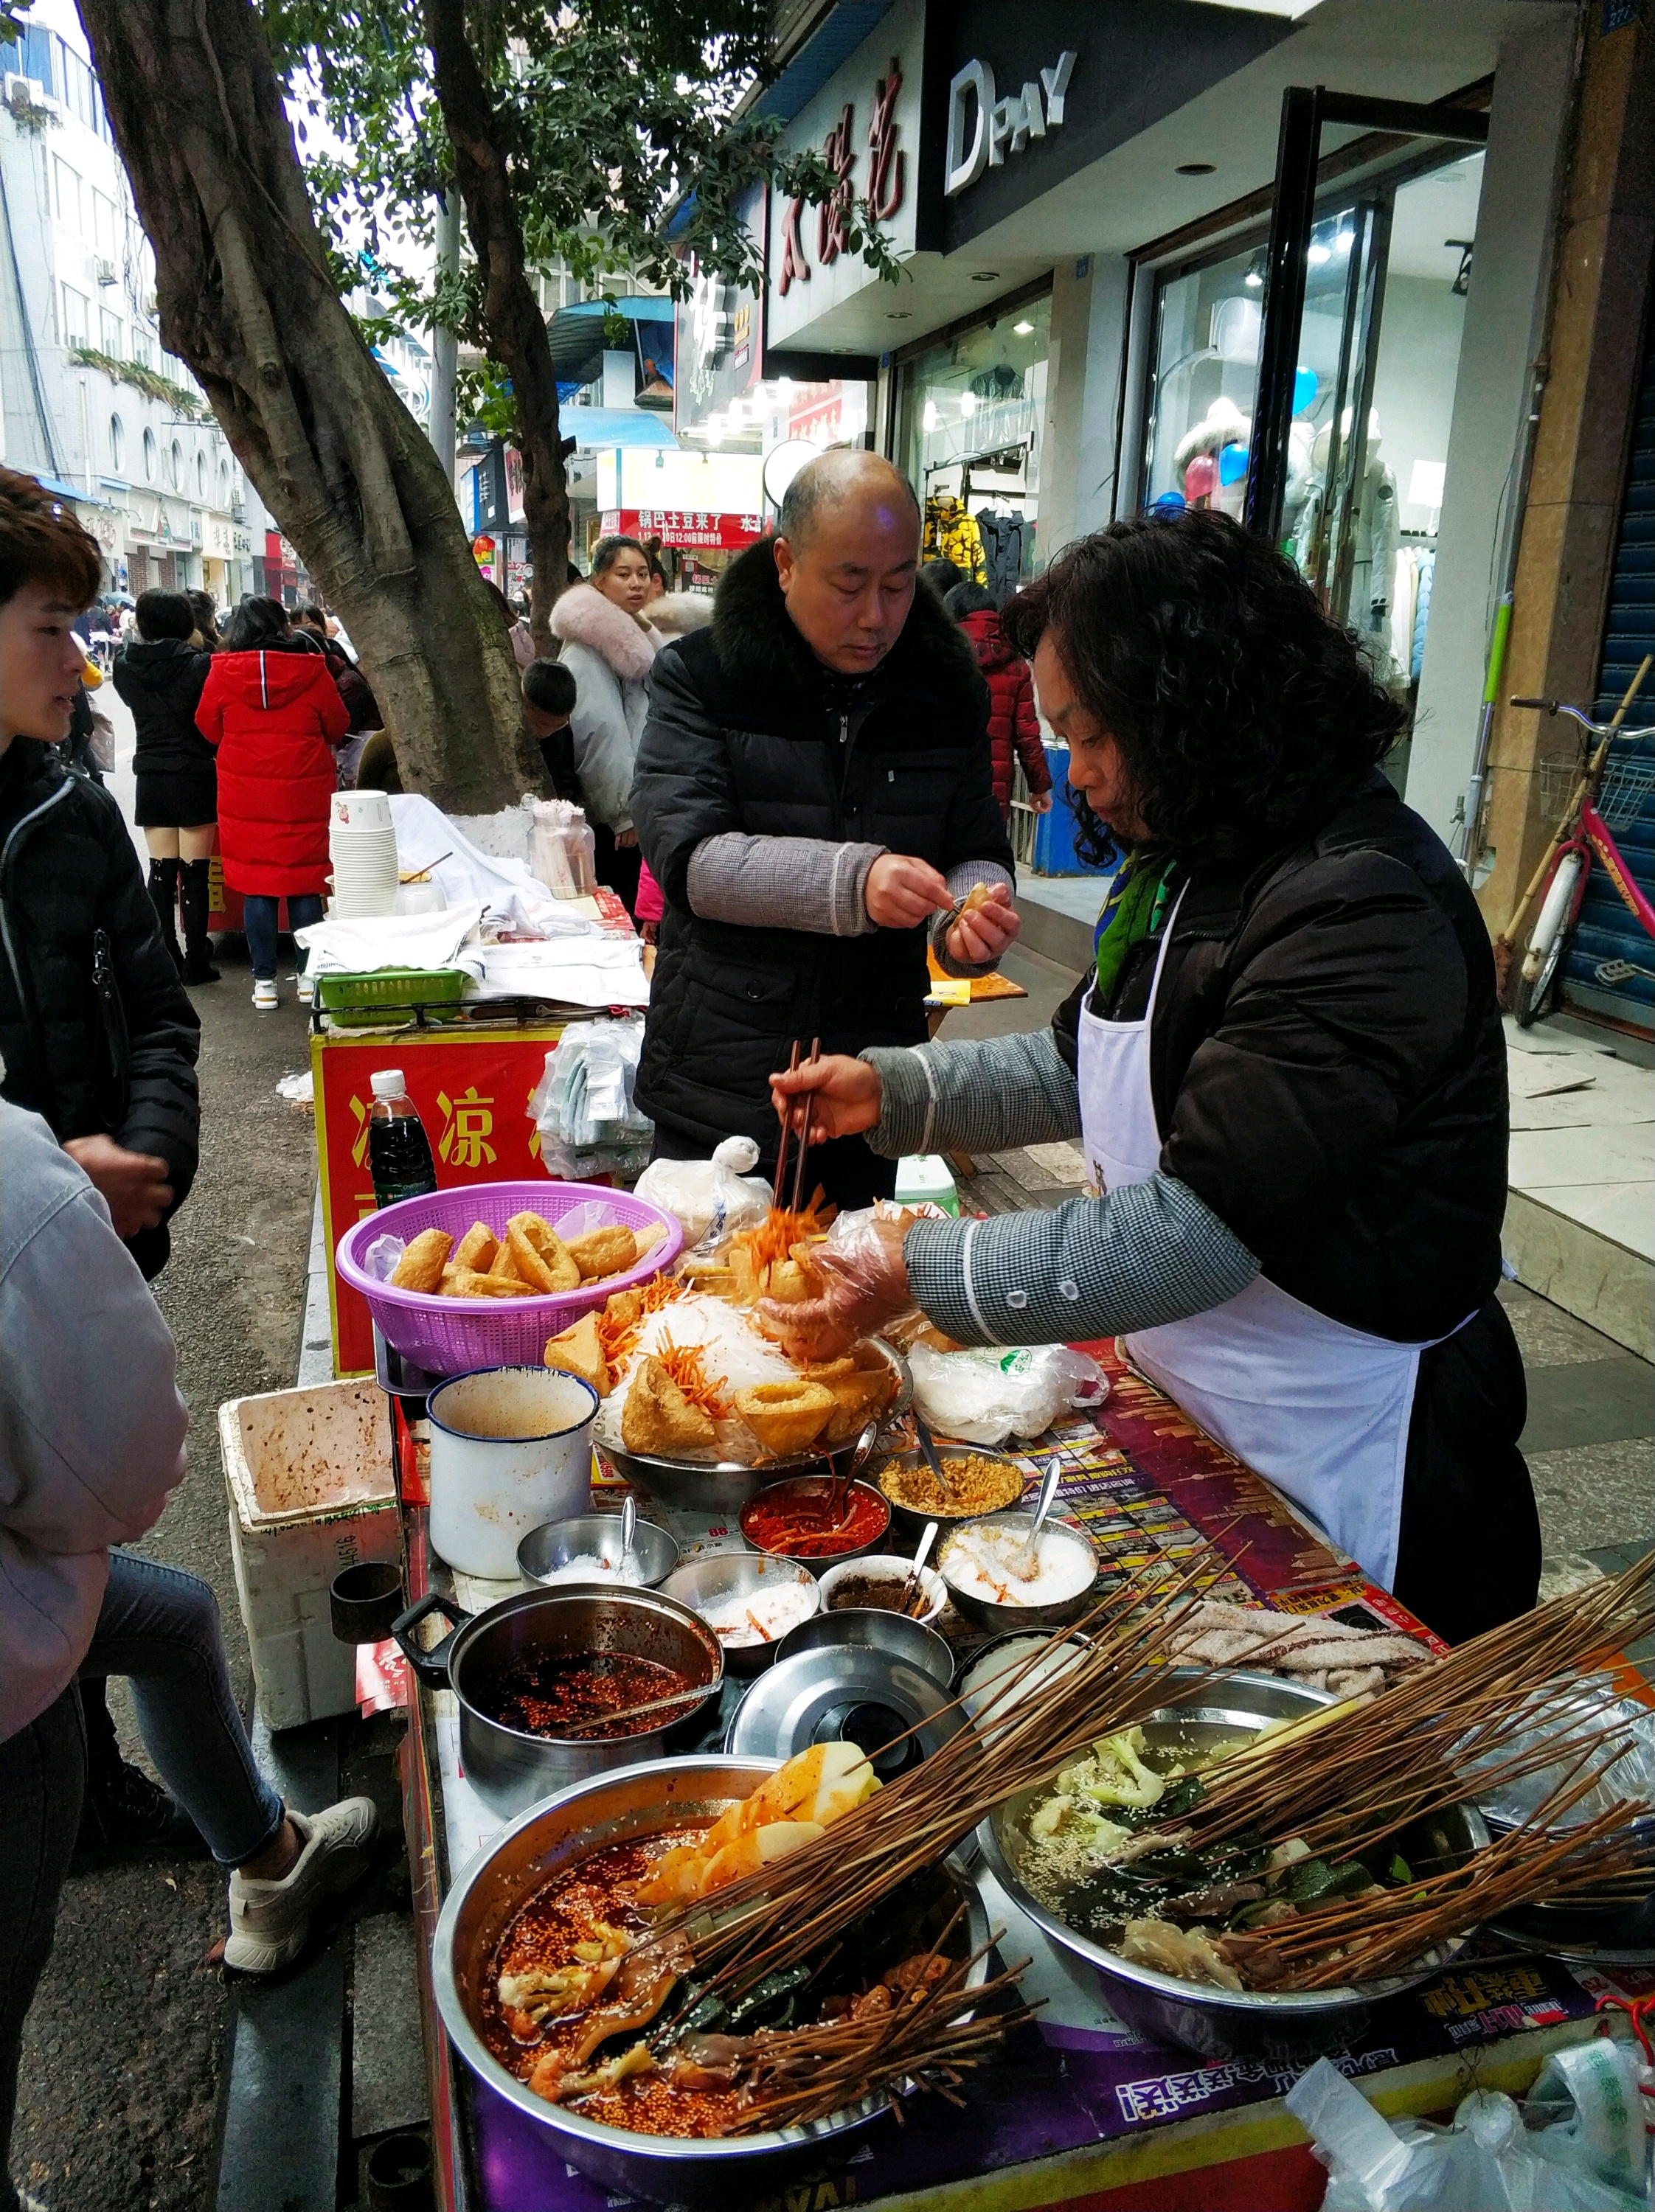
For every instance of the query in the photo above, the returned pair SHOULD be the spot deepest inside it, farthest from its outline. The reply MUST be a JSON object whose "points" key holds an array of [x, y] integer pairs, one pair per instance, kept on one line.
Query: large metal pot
{"points": [[510, 1769], [637, 1801], [1221, 2023]]}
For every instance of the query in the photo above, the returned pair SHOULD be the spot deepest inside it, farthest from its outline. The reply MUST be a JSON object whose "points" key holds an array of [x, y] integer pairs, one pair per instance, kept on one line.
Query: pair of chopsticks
{"points": [[801, 1155]]}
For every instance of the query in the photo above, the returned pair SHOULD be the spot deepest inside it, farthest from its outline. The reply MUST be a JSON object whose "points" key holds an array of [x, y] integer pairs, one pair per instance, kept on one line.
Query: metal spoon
{"points": [[861, 1452], [921, 1556], [629, 1530], [1048, 1493], [931, 1459]]}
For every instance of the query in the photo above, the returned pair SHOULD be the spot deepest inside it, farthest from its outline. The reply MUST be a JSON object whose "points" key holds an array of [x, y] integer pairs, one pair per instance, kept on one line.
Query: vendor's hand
{"points": [[864, 1286], [1041, 802], [624, 839], [901, 892], [847, 1095], [982, 932], [134, 1185]]}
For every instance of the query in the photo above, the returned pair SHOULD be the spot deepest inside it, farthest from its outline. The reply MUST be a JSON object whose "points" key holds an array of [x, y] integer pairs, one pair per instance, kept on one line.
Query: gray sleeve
{"points": [[782, 883], [986, 1096], [960, 878], [1144, 1254]]}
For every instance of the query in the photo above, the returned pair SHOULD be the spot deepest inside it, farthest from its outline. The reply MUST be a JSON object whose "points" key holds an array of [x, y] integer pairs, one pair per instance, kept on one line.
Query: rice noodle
{"points": [[733, 1349]]}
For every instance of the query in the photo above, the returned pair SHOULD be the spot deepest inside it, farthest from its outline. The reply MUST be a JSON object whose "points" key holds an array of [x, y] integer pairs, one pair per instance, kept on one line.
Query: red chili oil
{"points": [[561, 1697], [805, 1520]]}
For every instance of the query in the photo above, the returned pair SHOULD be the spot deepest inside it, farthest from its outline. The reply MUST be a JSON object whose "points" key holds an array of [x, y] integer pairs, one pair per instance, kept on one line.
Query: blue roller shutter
{"points": [[1608, 931]]}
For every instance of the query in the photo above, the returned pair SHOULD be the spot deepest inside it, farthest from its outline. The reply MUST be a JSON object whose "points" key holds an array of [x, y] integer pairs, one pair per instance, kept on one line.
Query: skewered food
{"points": [[658, 1419], [785, 1416], [578, 1349], [421, 1266]]}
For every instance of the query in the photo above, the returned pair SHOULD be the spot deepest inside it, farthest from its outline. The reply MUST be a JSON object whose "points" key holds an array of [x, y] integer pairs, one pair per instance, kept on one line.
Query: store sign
{"points": [[999, 127], [885, 189], [685, 527], [217, 542]]}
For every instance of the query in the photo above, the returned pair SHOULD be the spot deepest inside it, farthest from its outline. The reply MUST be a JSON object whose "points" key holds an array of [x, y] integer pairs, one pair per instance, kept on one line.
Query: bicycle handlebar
{"points": [[1594, 729]]}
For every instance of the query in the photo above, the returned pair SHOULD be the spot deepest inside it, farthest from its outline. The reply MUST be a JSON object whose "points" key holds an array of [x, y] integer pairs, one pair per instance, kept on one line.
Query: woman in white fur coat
{"points": [[608, 646]]}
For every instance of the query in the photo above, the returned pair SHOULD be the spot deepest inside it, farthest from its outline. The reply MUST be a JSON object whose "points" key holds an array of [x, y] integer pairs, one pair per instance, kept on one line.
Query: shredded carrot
{"points": [[619, 1339], [685, 1364], [782, 1229]]}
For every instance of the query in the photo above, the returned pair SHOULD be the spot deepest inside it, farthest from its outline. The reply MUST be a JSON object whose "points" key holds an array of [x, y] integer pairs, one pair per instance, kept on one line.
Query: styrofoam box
{"points": [[311, 1491]]}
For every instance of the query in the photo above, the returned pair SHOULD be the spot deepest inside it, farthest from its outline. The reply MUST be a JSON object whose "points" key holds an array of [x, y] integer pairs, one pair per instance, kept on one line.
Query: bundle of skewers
{"points": [[1520, 1700]]}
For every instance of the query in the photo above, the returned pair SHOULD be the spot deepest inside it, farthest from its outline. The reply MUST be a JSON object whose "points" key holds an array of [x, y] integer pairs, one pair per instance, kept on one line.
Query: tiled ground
{"points": [[1589, 1440]]}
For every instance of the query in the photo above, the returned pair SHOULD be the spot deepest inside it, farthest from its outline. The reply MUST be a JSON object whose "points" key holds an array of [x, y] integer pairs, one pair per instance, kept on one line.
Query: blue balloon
{"points": [[1232, 465], [1305, 385], [1170, 503]]}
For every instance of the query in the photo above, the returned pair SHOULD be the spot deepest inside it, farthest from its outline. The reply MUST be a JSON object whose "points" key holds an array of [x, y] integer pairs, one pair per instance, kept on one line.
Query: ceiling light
{"points": [[1195, 168], [985, 275], [1252, 279], [929, 417], [1024, 330], [967, 405], [1317, 254]]}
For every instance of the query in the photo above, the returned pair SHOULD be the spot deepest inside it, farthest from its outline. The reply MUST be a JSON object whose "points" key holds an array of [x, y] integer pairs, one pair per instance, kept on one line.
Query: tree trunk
{"points": [[246, 298], [517, 330]]}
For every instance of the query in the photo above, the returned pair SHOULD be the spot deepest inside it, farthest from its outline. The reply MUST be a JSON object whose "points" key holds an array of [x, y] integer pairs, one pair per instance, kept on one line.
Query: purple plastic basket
{"points": [[448, 1336]]}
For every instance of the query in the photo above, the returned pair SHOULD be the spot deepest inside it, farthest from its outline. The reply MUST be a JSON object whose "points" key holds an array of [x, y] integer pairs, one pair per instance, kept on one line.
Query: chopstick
{"points": [[787, 1131], [802, 1157], [612, 1721]]}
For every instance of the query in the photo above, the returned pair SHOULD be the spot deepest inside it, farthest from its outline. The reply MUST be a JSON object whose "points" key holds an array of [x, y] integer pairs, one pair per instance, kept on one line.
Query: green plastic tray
{"points": [[361, 1001]]}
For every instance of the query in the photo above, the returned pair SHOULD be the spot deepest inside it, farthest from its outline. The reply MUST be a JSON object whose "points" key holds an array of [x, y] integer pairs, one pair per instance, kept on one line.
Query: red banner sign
{"points": [[685, 526], [471, 1090]]}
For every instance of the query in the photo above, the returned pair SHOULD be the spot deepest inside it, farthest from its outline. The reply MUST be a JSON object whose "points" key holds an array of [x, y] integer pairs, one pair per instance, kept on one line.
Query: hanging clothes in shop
{"points": [[1411, 607], [1005, 536], [950, 534]]}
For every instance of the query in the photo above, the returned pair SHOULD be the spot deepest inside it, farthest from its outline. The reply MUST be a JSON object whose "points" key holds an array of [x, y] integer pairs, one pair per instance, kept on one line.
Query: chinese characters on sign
{"points": [[684, 527], [886, 184]]}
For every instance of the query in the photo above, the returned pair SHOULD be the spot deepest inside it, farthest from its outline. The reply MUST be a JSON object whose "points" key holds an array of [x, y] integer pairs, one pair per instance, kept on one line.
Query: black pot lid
{"points": [[844, 1696]]}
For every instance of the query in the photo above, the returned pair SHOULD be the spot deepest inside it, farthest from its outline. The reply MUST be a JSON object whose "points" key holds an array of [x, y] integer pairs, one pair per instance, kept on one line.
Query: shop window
{"points": [[970, 416], [149, 459], [117, 445]]}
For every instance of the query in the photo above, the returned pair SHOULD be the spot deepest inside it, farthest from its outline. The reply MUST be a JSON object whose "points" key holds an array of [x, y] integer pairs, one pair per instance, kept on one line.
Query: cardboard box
{"points": [[311, 1491]]}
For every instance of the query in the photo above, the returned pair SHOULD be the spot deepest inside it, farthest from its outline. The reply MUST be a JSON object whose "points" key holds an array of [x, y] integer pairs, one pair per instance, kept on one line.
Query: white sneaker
{"points": [[270, 1920], [307, 988], [263, 993]]}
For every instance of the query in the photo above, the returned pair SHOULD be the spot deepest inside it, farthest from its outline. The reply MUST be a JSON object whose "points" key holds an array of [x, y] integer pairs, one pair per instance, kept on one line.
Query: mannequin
{"points": [[953, 534]]}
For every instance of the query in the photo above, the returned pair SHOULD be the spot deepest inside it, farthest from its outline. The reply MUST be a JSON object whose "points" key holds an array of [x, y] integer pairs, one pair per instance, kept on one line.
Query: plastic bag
{"points": [[710, 1199], [381, 1256], [583, 1101], [1486, 2161], [982, 1396]]}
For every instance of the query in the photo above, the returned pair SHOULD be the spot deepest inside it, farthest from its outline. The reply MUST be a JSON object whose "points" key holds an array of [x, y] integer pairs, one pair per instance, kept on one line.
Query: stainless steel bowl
{"points": [[637, 1801], [510, 1769], [688, 1486], [911, 1519], [1219, 2023], [866, 1628], [815, 1490], [999, 1619], [703, 1582], [589, 1535]]}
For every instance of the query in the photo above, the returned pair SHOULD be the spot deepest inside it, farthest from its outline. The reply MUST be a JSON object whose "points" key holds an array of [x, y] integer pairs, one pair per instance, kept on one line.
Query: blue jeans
{"points": [[42, 1772], [258, 920], [160, 1628]]}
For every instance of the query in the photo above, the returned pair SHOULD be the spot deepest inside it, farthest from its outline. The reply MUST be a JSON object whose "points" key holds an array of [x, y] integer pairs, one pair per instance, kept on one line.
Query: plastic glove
{"points": [[864, 1288]]}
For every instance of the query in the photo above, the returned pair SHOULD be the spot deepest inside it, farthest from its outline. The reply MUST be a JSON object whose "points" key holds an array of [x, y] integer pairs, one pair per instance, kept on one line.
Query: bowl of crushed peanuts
{"points": [[979, 1483]]}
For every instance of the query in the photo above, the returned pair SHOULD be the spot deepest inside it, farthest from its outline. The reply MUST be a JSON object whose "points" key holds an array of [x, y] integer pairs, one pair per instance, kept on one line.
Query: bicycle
{"points": [[1604, 794]]}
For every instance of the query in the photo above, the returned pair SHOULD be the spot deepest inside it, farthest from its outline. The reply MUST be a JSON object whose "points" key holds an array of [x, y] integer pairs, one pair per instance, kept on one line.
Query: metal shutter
{"points": [[1608, 931]]}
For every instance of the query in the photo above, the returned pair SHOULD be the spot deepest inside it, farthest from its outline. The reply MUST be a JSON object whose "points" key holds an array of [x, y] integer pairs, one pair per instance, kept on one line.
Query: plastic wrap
{"points": [[711, 1199], [583, 1106], [985, 1395]]}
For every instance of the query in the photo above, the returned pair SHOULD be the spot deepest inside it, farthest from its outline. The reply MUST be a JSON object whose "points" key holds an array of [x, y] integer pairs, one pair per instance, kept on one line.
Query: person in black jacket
{"points": [[160, 675], [812, 793], [1286, 1065]]}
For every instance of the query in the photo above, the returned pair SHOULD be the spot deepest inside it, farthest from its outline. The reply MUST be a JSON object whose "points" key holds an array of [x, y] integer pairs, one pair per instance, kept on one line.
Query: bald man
{"points": [[813, 795]]}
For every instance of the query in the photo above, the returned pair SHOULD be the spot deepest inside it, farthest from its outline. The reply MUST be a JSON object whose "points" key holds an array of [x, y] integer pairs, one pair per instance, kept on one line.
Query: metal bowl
{"points": [[589, 1534], [637, 1801], [865, 1628], [999, 1619], [718, 1574], [930, 1596], [1222, 2024], [705, 1486], [912, 1518], [816, 1489]]}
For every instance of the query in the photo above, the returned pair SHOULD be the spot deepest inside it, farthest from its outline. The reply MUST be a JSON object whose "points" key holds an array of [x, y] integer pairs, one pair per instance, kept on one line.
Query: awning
{"points": [[598, 430], [59, 489]]}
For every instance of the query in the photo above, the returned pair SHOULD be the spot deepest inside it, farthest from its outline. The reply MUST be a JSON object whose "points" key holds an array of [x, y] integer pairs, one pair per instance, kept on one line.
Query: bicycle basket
{"points": [[1625, 786], [1556, 780]]}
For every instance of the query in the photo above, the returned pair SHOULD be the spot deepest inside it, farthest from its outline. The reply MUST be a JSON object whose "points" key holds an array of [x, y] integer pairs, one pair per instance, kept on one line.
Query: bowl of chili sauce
{"points": [[814, 1516]]}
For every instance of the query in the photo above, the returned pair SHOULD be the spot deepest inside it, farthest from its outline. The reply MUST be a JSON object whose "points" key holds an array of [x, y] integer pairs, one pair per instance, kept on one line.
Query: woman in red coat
{"points": [[1011, 719], [273, 709]]}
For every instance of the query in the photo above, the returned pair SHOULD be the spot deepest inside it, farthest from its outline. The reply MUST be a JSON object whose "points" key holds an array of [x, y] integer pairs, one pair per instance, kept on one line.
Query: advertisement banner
{"points": [[685, 526], [471, 1091]]}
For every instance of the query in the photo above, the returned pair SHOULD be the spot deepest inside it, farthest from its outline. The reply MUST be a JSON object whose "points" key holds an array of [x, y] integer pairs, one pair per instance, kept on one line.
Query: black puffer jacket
{"points": [[747, 731], [161, 681], [1329, 1069], [97, 1033]]}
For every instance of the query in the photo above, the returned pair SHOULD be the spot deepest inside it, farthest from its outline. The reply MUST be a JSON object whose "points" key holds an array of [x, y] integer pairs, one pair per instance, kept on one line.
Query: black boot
{"points": [[124, 1814], [198, 949], [163, 897]]}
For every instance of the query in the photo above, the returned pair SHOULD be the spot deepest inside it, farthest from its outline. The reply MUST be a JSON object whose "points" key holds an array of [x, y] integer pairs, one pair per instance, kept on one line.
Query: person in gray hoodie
{"points": [[92, 1442]]}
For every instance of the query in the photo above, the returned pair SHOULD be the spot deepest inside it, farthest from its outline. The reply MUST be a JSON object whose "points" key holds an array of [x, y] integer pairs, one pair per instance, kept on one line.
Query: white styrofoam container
{"points": [[311, 1490]]}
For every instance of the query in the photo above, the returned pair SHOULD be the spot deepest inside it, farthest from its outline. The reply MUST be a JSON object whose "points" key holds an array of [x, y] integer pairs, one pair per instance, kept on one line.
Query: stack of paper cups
{"points": [[362, 846]]}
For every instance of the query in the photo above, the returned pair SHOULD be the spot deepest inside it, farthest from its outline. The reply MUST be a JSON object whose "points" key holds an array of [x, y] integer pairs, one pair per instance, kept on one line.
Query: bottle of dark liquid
{"points": [[398, 1150]]}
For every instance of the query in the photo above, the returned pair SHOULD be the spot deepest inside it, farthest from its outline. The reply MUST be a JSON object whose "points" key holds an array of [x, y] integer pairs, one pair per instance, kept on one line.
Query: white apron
{"points": [[1319, 1409]]}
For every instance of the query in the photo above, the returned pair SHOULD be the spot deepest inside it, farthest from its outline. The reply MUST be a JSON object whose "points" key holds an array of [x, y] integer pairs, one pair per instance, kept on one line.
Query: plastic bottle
{"points": [[398, 1149]]}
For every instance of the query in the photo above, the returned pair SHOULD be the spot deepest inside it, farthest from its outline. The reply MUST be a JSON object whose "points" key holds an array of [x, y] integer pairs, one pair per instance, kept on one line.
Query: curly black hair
{"points": [[1243, 714]]}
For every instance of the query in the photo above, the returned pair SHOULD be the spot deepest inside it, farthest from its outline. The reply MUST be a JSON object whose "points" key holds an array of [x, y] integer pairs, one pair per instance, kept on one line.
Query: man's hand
{"points": [[624, 839], [901, 892], [982, 932], [848, 1095], [864, 1286], [1041, 802], [134, 1185]]}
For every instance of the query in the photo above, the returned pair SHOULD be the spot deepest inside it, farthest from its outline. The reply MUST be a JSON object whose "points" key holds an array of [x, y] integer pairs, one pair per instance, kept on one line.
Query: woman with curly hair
{"points": [[1285, 1064]]}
